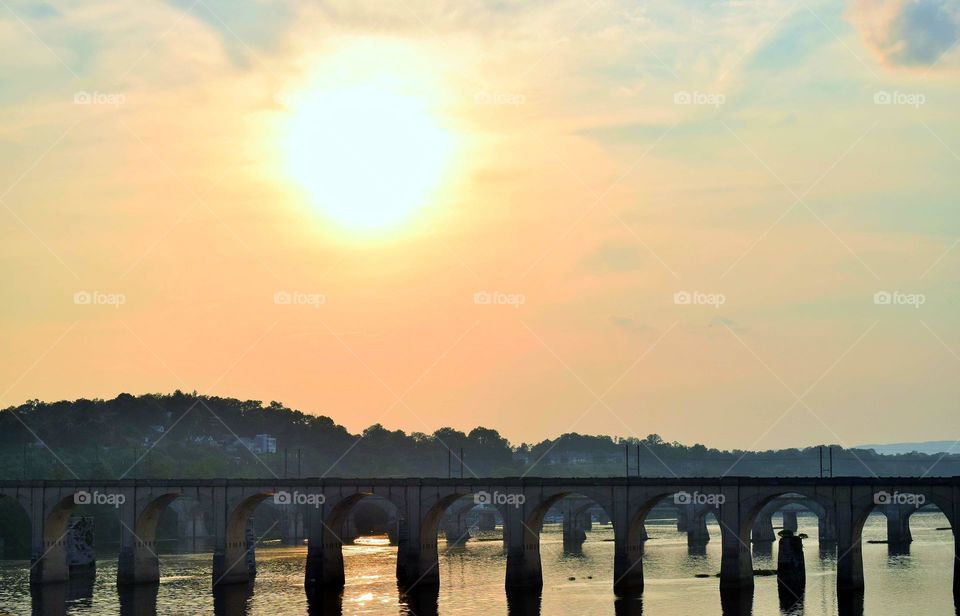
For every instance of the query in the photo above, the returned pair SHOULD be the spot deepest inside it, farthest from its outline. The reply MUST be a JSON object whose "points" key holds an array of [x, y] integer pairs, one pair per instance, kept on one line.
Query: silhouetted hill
{"points": [[188, 435]]}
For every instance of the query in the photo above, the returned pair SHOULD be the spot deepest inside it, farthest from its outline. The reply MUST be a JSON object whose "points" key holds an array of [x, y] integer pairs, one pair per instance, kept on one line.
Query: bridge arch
{"points": [[630, 540], [234, 557], [762, 530], [418, 556], [523, 524], [48, 563], [897, 516], [737, 564], [138, 561], [326, 522]]}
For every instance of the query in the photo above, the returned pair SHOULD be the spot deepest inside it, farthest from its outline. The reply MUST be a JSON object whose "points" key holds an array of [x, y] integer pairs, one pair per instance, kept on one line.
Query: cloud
{"points": [[909, 32]]}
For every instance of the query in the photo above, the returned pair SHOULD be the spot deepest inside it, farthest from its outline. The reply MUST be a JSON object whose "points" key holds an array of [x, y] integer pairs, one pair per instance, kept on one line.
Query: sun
{"points": [[364, 140]]}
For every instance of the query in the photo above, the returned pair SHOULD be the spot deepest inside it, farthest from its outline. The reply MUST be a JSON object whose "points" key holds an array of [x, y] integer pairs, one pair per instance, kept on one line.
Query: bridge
{"points": [[741, 505]]}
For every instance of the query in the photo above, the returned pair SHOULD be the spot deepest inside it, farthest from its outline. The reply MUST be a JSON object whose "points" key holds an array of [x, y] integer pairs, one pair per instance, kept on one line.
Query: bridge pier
{"points": [[454, 523], [842, 506], [898, 525], [955, 523], [292, 530], [487, 520], [697, 533], [574, 528], [762, 531], [48, 537], [522, 541], [736, 560], [827, 529], [138, 562], [418, 564], [789, 521], [324, 566], [849, 547], [234, 557], [628, 534], [137, 565], [234, 560], [191, 523]]}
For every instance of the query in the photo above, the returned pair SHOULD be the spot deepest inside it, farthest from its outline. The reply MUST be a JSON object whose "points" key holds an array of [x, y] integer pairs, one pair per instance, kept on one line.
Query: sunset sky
{"points": [[172, 173]]}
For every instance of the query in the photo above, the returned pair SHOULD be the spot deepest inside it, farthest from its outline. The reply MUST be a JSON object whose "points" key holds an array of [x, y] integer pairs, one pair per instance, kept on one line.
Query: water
{"points": [[472, 581]]}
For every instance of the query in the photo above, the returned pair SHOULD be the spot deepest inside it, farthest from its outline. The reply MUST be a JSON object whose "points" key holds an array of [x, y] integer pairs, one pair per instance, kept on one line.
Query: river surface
{"points": [[472, 581]]}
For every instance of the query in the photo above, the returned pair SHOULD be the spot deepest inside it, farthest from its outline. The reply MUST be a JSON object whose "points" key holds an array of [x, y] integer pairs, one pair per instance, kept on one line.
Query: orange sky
{"points": [[595, 171]]}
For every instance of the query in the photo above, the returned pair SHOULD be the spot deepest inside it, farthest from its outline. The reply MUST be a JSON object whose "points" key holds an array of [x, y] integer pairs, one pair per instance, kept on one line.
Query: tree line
{"points": [[193, 436]]}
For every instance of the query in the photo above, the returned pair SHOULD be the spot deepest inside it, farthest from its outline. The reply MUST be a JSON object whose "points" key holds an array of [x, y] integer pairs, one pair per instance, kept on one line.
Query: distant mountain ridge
{"points": [[927, 447]]}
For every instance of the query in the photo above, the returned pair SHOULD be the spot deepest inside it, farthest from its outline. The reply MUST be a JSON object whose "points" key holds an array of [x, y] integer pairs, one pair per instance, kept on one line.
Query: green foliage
{"points": [[193, 436]]}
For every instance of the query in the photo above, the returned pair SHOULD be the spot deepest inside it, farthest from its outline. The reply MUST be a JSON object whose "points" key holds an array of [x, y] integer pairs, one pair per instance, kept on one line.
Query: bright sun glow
{"points": [[364, 142]]}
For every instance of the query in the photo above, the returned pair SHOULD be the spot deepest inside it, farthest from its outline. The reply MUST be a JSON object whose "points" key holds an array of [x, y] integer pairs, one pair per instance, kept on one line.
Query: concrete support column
{"points": [[408, 553], [849, 548], [736, 563], [488, 520], [48, 558], [762, 531], [523, 550], [898, 525], [955, 522], [191, 526], [573, 532], [349, 531], [697, 533], [789, 520], [234, 561], [417, 558], [683, 518], [827, 528], [324, 567], [455, 526], [628, 550], [393, 528], [291, 525], [138, 562], [585, 519]]}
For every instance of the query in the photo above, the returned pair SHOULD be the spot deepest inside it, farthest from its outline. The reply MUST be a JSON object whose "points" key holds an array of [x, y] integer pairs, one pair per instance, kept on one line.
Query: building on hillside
{"points": [[261, 443]]}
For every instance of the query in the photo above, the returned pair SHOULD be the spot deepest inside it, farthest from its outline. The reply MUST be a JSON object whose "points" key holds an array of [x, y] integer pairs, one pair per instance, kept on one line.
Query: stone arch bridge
{"points": [[421, 502]]}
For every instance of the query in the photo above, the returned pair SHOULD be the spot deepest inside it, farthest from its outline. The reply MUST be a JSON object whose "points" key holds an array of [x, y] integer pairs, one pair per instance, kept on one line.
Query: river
{"points": [[919, 582]]}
